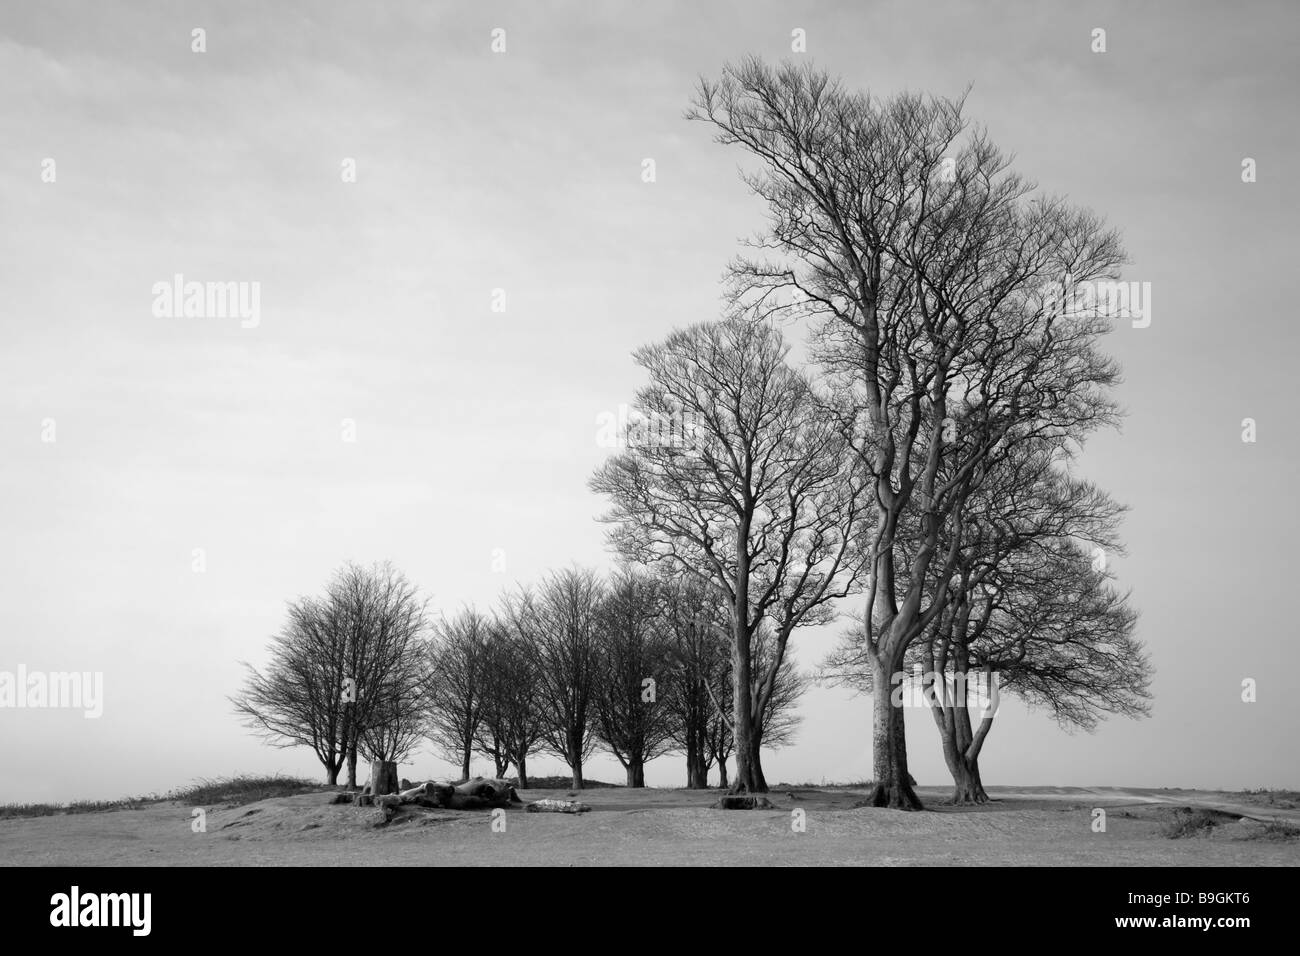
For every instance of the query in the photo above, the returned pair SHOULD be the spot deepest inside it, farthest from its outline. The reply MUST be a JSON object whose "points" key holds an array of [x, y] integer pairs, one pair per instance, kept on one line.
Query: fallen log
{"points": [[498, 793], [431, 795], [480, 793], [410, 794]]}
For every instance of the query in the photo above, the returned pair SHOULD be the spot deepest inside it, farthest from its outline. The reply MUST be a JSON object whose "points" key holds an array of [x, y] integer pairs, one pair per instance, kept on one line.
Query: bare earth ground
{"points": [[1022, 826]]}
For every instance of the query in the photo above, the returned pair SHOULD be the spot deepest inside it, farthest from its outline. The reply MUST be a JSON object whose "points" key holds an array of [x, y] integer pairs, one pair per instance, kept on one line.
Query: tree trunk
{"points": [[502, 764], [741, 684], [961, 743], [635, 772], [521, 764], [383, 777], [577, 773], [967, 787], [742, 716], [701, 771], [981, 795], [352, 766], [756, 766], [697, 774], [893, 786], [464, 765], [332, 776], [722, 769], [964, 791], [344, 750]]}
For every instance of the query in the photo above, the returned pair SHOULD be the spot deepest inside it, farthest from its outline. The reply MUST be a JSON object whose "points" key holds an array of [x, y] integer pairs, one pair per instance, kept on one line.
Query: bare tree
{"points": [[382, 619], [562, 622], [299, 700], [774, 727], [1026, 613], [346, 671], [634, 718], [457, 686], [924, 266], [699, 659], [777, 724], [490, 737], [719, 734], [394, 723], [1049, 629], [512, 719], [755, 498]]}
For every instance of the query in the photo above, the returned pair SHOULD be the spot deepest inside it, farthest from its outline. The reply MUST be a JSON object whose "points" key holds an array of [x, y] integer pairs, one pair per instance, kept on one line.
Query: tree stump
{"points": [[383, 777], [744, 802]]}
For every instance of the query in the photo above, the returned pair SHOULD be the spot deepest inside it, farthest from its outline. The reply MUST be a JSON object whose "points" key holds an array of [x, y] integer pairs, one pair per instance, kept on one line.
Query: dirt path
{"points": [[1112, 796]]}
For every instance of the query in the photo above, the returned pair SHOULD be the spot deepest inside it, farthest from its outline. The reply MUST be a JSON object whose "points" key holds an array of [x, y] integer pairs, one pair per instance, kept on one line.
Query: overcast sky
{"points": [[476, 430]]}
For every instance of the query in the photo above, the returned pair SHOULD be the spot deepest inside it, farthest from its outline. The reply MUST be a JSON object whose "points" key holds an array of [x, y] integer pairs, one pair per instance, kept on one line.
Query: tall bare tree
{"points": [[923, 264], [634, 717], [1047, 627], [383, 622], [774, 727], [759, 499], [346, 671], [562, 620], [777, 724], [512, 717], [300, 699], [699, 659], [1027, 613], [457, 686]]}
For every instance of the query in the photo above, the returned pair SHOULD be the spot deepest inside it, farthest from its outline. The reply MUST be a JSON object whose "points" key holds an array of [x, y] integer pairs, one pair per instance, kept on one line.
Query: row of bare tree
{"points": [[638, 666], [922, 461], [924, 457]]}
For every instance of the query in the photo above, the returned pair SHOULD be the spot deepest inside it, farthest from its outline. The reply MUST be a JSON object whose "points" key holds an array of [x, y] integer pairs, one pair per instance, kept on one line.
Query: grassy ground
{"points": [[227, 790], [1285, 799], [809, 826]]}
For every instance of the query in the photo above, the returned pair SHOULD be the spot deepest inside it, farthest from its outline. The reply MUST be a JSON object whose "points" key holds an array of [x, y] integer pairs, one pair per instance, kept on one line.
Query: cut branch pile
{"points": [[477, 794]]}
